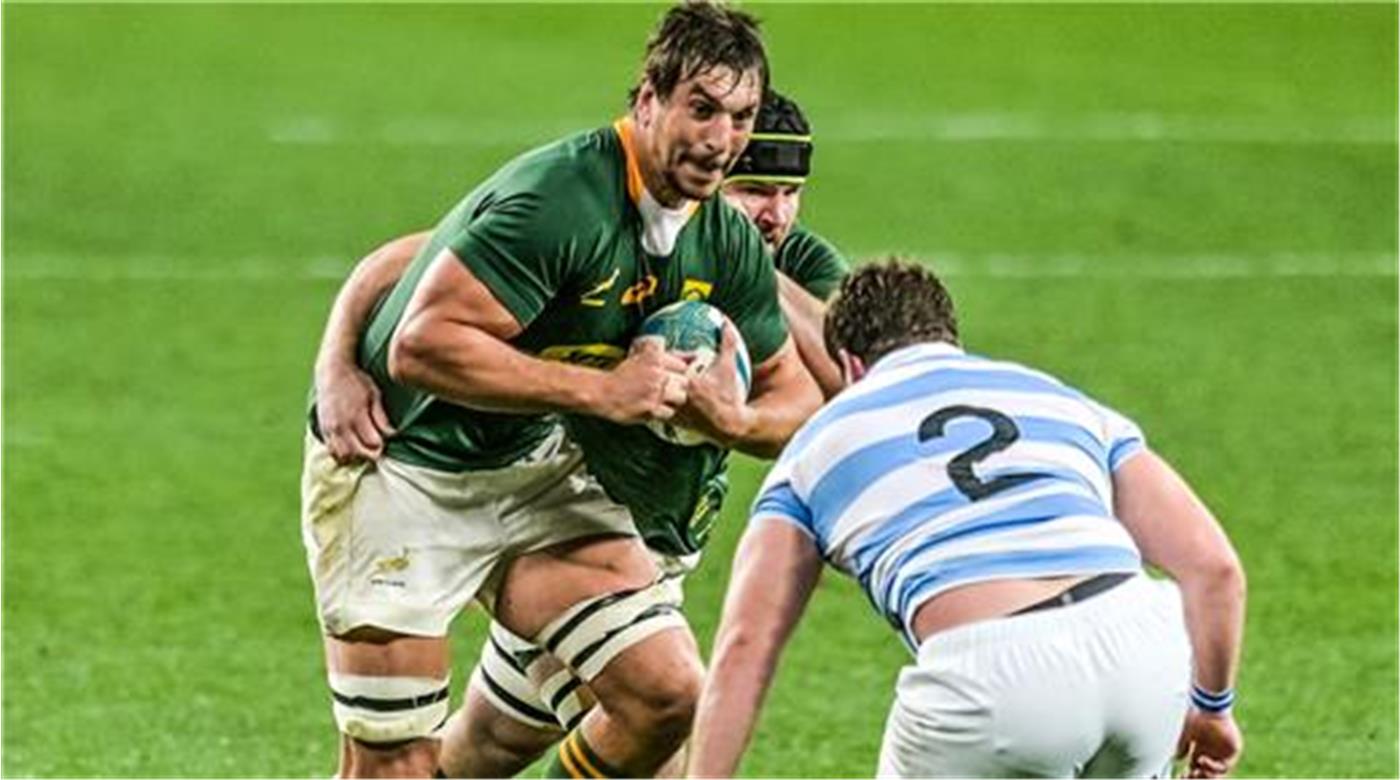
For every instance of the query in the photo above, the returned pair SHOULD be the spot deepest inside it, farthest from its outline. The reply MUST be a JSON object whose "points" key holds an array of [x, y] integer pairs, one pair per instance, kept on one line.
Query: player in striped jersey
{"points": [[999, 521]]}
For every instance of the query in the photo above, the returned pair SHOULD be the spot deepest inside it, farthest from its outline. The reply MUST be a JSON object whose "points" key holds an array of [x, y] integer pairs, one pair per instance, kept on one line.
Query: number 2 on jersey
{"points": [[1004, 434]]}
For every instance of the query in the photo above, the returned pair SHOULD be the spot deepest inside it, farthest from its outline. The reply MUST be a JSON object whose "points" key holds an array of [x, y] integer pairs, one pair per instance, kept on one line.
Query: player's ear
{"points": [[645, 106], [852, 367]]}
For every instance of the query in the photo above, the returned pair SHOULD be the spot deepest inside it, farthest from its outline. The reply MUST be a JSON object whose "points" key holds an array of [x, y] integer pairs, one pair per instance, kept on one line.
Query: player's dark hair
{"points": [[780, 115], [696, 36], [887, 305]]}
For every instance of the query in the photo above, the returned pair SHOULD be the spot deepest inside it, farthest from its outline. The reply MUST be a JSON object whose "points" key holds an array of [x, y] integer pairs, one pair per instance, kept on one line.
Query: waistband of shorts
{"points": [[552, 450], [1136, 591]]}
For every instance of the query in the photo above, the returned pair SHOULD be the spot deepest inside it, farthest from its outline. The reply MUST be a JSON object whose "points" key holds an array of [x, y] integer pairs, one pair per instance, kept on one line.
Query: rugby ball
{"points": [[692, 329]]}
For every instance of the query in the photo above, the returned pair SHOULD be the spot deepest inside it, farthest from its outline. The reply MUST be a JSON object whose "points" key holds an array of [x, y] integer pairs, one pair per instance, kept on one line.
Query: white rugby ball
{"points": [[693, 329]]}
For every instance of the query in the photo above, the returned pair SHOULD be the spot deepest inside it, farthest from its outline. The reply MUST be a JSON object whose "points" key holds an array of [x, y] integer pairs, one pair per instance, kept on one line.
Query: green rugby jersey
{"points": [[812, 262], [676, 493], [556, 235]]}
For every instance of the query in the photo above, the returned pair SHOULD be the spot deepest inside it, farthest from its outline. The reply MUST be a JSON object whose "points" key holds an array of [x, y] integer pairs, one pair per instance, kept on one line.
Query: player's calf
{"points": [[503, 725], [481, 741]]}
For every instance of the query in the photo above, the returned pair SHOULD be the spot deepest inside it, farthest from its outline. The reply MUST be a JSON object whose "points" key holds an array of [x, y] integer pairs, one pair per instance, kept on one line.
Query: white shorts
{"points": [[1094, 689], [405, 548]]}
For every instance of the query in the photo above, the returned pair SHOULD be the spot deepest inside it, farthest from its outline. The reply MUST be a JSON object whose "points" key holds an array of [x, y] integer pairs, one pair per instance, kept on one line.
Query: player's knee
{"points": [[664, 707], [509, 738], [409, 758]]}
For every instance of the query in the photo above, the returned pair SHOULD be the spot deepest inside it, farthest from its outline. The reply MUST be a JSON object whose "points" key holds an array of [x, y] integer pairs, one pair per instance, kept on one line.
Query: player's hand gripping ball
{"points": [[692, 329]]}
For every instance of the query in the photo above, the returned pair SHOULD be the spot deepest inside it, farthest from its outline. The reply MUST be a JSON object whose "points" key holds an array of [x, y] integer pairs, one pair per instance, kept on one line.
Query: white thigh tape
{"points": [[560, 694], [388, 709], [510, 691], [590, 634], [591, 661]]}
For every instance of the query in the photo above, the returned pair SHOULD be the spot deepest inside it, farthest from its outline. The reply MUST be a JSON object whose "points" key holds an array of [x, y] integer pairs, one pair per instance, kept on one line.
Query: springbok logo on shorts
{"points": [[391, 565]]}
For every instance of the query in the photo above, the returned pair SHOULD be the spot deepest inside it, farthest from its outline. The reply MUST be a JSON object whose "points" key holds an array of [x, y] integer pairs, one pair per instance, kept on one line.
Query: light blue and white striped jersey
{"points": [[941, 469]]}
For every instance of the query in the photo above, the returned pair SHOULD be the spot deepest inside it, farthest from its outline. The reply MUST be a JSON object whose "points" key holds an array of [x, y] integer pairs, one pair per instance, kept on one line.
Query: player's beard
{"points": [[773, 238], [682, 176]]}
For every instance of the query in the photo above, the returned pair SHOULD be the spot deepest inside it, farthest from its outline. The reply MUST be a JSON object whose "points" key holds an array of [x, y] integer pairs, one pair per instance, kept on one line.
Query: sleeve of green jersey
{"points": [[812, 262], [510, 246], [750, 292]]}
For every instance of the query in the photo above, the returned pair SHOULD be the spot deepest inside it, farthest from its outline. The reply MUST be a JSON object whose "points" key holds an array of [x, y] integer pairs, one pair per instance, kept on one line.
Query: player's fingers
{"points": [[675, 390], [663, 413], [1205, 766], [676, 364], [378, 416], [728, 342], [647, 345], [366, 434], [341, 450]]}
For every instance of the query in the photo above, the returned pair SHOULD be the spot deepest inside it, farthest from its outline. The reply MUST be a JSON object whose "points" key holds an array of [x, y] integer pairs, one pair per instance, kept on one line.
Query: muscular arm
{"points": [[806, 315], [775, 571], [1176, 531], [452, 342], [372, 277], [784, 396], [348, 412]]}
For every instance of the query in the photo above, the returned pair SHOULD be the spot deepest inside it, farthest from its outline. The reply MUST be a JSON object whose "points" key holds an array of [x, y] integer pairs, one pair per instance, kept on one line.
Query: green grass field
{"points": [[1189, 210]]}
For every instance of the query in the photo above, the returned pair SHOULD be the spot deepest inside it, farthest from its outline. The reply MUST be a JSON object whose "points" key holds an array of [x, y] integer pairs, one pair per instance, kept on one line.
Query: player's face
{"points": [[772, 207], [698, 132]]}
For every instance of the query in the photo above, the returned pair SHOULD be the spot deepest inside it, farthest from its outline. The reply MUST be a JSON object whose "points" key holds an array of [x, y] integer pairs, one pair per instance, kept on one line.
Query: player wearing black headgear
{"points": [[766, 183]]}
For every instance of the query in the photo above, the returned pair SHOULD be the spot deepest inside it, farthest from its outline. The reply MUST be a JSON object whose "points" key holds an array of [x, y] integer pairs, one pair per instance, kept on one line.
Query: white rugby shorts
{"points": [[405, 548], [1094, 689]]}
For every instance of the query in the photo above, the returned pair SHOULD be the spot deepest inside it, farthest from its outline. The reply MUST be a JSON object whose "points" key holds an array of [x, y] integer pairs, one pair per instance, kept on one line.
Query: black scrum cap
{"points": [[780, 148]]}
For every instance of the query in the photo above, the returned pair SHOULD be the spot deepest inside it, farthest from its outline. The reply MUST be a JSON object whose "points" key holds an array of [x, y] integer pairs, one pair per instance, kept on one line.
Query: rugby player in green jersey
{"points": [[766, 183], [522, 304], [508, 718]]}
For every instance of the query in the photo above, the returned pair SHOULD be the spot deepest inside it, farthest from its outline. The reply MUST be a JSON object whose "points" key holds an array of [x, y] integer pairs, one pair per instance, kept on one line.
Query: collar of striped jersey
{"points": [[914, 352], [660, 226]]}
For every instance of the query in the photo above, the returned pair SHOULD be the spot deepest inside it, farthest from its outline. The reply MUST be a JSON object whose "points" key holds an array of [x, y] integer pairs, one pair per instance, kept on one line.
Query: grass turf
{"points": [[1188, 210]]}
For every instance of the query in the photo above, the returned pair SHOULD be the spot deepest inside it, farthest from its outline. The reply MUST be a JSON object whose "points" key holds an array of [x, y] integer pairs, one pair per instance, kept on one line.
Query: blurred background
{"points": [[1188, 210]]}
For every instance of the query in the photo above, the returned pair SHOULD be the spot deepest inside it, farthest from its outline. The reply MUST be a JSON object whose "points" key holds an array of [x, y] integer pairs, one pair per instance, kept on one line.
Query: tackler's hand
{"points": [[350, 414], [1210, 743]]}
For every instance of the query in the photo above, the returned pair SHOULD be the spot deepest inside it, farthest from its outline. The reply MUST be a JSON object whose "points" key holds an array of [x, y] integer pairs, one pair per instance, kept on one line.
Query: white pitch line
{"points": [[877, 127], [155, 269], [1166, 267], [27, 268], [1110, 127]]}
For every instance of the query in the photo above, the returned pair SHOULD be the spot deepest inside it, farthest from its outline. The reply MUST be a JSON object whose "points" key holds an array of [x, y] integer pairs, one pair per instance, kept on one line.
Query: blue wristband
{"points": [[1212, 701]]}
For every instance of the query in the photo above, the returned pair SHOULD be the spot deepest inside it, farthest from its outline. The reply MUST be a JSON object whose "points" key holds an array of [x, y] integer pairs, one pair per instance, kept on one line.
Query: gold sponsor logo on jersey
{"points": [[594, 297], [640, 291], [696, 290], [594, 355]]}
